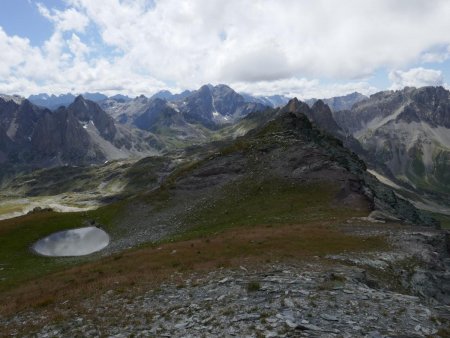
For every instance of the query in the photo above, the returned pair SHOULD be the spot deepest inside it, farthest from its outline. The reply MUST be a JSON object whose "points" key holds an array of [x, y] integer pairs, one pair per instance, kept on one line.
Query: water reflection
{"points": [[74, 242]]}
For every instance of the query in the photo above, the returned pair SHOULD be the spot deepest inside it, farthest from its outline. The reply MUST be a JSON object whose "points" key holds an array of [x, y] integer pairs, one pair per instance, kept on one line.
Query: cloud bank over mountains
{"points": [[416, 77], [295, 47]]}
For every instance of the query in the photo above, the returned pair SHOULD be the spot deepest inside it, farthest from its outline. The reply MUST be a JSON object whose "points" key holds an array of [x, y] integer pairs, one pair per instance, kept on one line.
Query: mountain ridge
{"points": [[407, 133]]}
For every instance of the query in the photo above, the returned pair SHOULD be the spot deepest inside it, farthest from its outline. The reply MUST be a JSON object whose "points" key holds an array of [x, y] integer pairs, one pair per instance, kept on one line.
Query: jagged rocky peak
{"points": [[320, 105], [12, 98], [427, 104], [17, 118], [321, 114], [84, 109], [87, 111], [142, 97], [80, 102], [295, 105]]}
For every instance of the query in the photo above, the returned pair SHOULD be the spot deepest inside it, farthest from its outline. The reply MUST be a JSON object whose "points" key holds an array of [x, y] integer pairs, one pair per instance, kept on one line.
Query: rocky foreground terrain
{"points": [[401, 291]]}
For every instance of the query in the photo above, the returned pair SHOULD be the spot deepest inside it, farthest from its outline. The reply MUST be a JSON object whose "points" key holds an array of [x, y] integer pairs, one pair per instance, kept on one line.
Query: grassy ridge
{"points": [[275, 201]]}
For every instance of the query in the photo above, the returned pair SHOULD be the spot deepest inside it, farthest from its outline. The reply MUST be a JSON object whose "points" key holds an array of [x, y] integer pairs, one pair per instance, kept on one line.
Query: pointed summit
{"points": [[79, 97], [292, 105], [86, 111], [295, 106], [80, 101], [83, 109], [322, 116], [319, 104]]}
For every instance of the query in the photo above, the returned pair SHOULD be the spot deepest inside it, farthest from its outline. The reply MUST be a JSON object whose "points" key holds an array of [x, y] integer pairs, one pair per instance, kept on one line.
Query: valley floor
{"points": [[311, 280]]}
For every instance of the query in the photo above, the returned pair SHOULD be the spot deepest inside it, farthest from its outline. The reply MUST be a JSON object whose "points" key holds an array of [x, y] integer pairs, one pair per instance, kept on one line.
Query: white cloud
{"points": [[416, 77], [303, 88], [436, 56], [140, 46], [78, 48], [67, 20], [14, 51], [182, 41]]}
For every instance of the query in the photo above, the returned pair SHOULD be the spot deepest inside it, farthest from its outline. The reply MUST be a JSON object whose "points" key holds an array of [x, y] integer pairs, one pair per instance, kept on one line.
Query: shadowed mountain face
{"points": [[61, 135], [79, 134], [408, 131], [157, 111], [18, 118], [320, 114]]}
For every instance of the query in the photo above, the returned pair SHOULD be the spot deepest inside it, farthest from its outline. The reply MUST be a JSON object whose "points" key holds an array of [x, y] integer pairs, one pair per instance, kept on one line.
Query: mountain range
{"points": [[407, 131], [402, 135], [339, 103], [52, 101], [80, 134], [286, 146], [55, 101]]}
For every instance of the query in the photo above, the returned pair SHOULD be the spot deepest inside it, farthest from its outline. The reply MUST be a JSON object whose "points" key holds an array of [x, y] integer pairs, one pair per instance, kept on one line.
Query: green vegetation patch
{"points": [[17, 235], [443, 219], [267, 202]]}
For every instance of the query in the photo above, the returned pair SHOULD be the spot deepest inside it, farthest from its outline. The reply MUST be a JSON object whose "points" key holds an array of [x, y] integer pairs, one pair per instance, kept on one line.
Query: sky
{"points": [[303, 48]]}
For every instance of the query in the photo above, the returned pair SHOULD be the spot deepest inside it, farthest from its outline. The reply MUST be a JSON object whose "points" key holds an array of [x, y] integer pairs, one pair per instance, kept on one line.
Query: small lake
{"points": [[74, 242]]}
